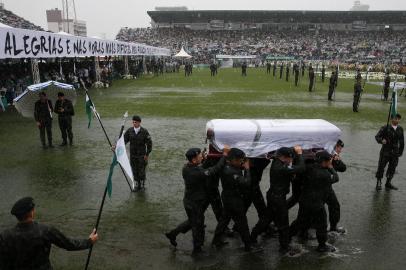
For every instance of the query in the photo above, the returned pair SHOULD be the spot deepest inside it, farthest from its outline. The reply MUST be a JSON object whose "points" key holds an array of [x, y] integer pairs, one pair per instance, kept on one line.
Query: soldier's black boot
{"points": [[378, 184], [172, 238], [389, 185]]}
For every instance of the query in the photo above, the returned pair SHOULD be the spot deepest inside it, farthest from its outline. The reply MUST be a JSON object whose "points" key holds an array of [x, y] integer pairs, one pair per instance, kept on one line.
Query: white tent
{"points": [[25, 102], [182, 54], [259, 137], [5, 25], [64, 33]]}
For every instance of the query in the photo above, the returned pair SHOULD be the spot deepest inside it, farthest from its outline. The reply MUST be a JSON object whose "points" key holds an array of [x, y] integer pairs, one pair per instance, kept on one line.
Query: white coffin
{"points": [[259, 137]]}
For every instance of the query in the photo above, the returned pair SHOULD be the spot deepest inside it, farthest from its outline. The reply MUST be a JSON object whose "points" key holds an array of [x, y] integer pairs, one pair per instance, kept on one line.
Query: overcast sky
{"points": [[106, 17]]}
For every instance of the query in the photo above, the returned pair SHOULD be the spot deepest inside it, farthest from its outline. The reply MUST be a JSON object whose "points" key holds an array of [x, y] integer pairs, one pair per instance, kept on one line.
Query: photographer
{"points": [[331, 199]]}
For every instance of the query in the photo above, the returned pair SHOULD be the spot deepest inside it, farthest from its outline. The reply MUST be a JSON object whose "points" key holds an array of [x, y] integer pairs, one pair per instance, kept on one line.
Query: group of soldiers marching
{"points": [[311, 179]]}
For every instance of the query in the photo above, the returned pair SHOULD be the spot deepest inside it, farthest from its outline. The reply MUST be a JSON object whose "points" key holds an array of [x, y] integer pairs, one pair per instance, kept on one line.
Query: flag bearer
{"points": [[140, 148]]}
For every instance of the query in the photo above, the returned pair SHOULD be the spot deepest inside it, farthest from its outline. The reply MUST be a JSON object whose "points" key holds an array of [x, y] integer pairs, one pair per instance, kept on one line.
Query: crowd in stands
{"points": [[9, 18], [203, 45]]}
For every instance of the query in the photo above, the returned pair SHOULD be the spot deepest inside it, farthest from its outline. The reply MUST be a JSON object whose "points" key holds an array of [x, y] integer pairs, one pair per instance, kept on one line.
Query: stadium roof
{"points": [[278, 16]]}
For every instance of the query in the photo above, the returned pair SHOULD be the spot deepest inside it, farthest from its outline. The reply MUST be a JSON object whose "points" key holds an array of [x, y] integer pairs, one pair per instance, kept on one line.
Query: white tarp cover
{"points": [[259, 137], [182, 54], [399, 85], [25, 102]]}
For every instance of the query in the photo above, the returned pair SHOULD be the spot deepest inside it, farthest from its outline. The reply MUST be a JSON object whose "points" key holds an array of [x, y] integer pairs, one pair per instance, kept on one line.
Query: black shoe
{"points": [[254, 248], [219, 244], [390, 186], [198, 251], [339, 230], [228, 232], [378, 185], [172, 239], [326, 248], [63, 144]]}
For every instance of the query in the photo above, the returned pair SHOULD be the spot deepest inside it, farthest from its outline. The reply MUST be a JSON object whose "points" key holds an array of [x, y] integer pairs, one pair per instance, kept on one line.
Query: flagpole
{"points": [[391, 104], [96, 226], [108, 139]]}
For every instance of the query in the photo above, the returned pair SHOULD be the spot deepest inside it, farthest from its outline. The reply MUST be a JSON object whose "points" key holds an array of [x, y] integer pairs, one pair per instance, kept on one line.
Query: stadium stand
{"points": [[9, 18], [358, 36]]}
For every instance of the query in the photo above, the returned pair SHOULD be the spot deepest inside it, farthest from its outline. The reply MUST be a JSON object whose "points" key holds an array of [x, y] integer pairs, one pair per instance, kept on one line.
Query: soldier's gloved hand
{"points": [[226, 149], [113, 147], [38, 124], [93, 237], [145, 157], [383, 141]]}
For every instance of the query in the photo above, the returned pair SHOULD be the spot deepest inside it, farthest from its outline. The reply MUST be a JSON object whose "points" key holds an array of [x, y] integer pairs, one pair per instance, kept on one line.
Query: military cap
{"points": [[192, 153], [22, 206], [136, 118], [285, 152], [323, 156], [235, 153], [340, 143], [396, 116]]}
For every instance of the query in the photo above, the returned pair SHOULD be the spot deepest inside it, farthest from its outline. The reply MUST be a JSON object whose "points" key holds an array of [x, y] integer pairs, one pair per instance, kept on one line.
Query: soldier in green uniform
{"points": [[315, 191], [392, 139], [287, 71], [43, 117], [28, 244], [196, 198], [65, 111], [274, 69], [140, 148], [311, 79], [235, 178], [323, 73], [357, 95], [386, 86], [284, 167], [331, 86]]}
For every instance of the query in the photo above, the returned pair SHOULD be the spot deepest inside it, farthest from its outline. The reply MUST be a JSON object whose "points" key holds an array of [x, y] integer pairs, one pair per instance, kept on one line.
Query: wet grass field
{"points": [[67, 183]]}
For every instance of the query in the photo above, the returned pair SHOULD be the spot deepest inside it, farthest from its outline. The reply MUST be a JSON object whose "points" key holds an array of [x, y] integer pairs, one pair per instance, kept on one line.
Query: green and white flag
{"points": [[394, 105], [109, 181], [122, 158], [89, 109]]}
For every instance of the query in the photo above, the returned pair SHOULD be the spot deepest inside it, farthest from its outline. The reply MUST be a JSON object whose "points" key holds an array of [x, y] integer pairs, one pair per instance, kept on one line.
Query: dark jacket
{"points": [[281, 175], [43, 110], [357, 88], [140, 144], [234, 181], [395, 142], [28, 245], [65, 104], [317, 185], [197, 179]]}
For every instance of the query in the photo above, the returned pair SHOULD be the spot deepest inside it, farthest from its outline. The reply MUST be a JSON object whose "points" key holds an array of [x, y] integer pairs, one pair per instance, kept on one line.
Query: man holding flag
{"points": [[392, 139], [140, 148]]}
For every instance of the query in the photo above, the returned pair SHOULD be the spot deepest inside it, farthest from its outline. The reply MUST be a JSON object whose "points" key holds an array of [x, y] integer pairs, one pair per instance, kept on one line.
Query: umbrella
{"points": [[25, 102]]}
